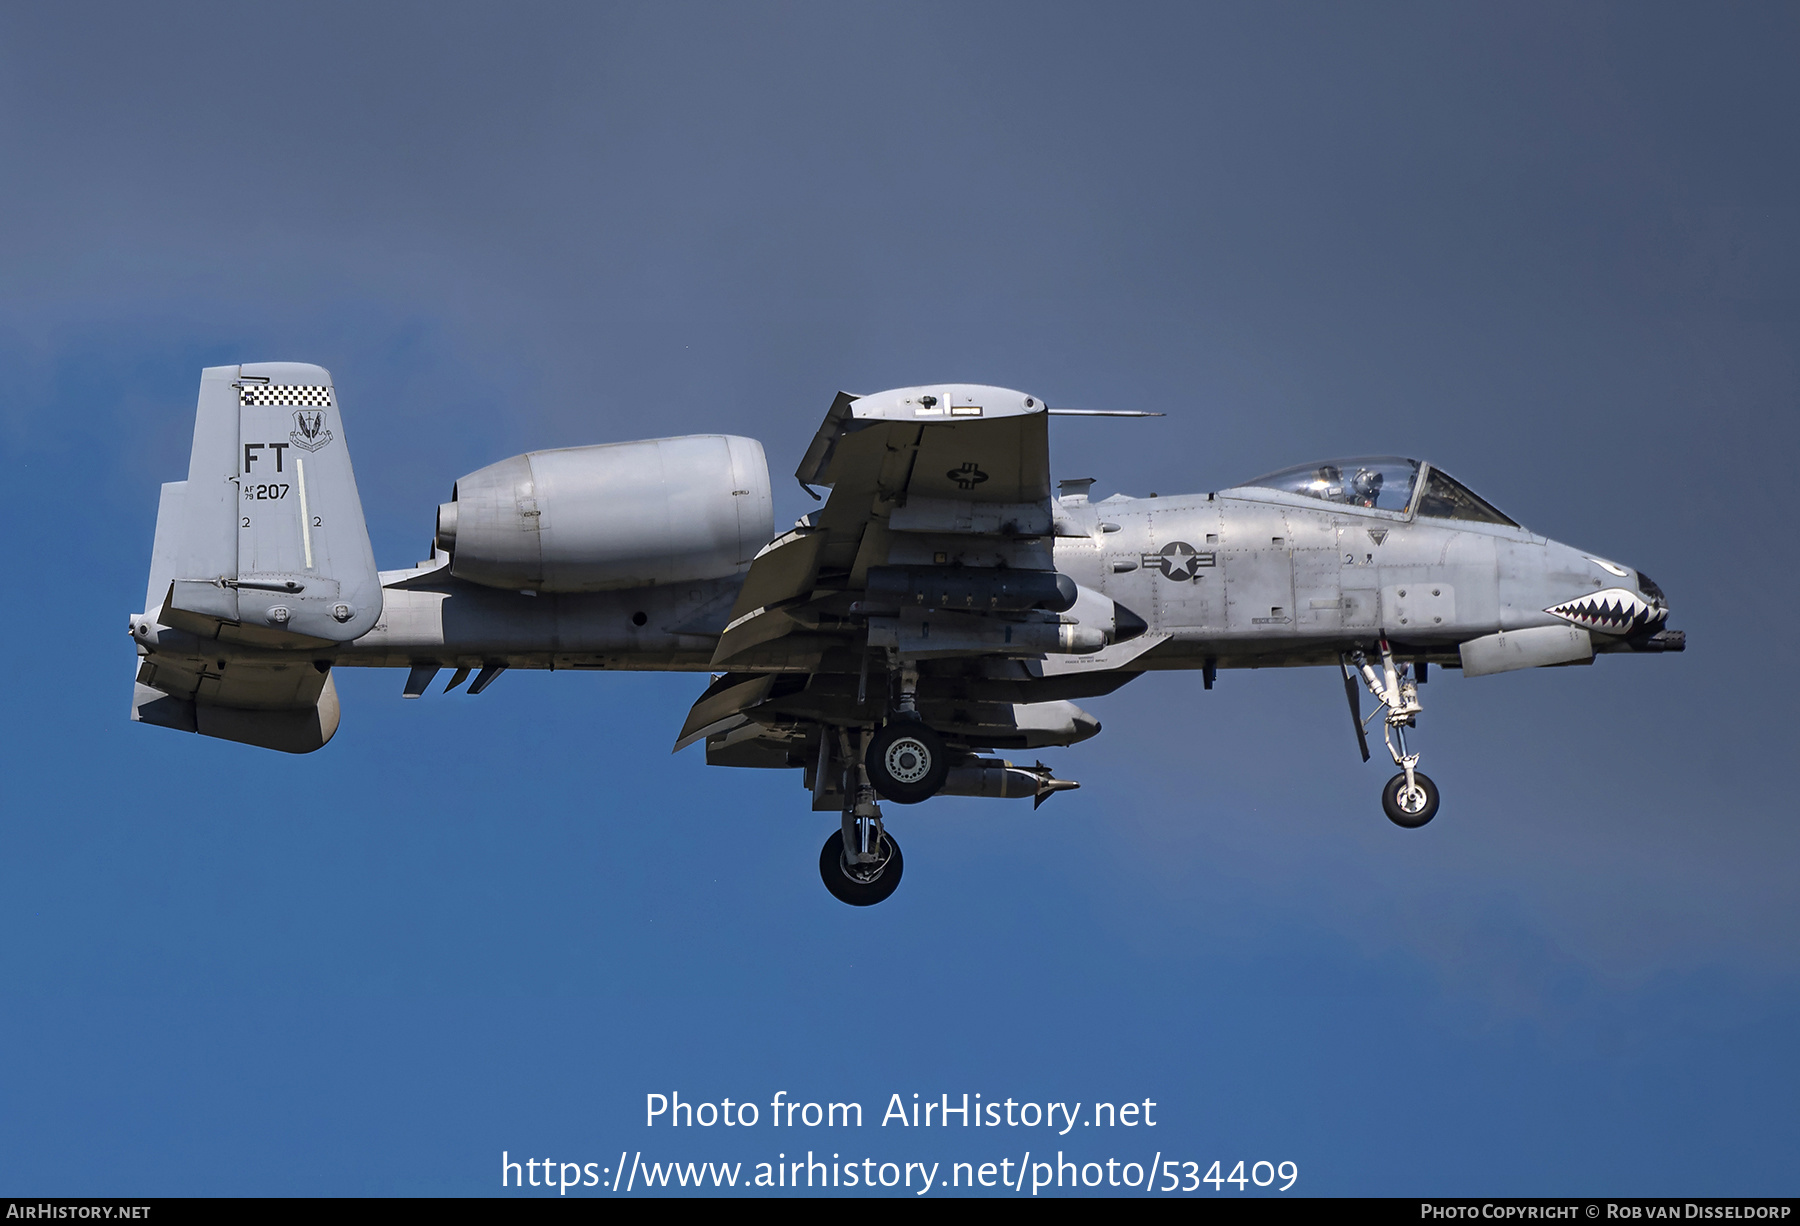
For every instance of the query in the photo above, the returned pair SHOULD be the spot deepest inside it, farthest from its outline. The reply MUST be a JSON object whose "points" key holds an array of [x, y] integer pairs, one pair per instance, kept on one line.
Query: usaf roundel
{"points": [[1180, 561]]}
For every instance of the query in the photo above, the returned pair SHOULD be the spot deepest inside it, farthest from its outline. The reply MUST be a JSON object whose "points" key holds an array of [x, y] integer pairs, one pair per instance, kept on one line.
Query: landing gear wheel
{"points": [[907, 762], [1410, 809], [860, 885]]}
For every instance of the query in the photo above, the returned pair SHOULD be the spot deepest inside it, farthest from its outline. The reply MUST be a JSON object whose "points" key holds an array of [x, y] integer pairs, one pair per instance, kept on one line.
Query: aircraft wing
{"points": [[949, 475]]}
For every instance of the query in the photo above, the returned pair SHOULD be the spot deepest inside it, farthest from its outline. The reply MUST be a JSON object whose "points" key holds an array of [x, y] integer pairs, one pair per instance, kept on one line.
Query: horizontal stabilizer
{"points": [[288, 729]]}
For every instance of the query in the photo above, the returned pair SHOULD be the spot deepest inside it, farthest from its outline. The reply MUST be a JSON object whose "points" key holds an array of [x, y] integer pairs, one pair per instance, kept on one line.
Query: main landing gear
{"points": [[906, 761], [1410, 798], [864, 884]]}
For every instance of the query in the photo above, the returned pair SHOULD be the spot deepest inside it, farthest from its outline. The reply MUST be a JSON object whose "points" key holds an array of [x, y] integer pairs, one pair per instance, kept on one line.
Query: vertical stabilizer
{"points": [[262, 563], [272, 548]]}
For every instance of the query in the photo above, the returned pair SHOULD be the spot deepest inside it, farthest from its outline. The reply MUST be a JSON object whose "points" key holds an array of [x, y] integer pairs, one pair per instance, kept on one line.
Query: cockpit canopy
{"points": [[1383, 483]]}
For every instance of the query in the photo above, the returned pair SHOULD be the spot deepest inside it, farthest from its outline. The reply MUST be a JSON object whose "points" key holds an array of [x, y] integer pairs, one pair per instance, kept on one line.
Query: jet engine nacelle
{"points": [[616, 515]]}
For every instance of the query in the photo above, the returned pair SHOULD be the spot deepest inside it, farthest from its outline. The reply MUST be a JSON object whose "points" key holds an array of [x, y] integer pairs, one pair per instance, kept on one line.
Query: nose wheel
{"points": [[1410, 798], [1410, 805]]}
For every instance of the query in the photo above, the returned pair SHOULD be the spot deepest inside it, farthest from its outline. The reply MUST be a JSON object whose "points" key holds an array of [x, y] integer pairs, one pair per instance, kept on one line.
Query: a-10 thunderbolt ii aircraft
{"points": [[942, 604]]}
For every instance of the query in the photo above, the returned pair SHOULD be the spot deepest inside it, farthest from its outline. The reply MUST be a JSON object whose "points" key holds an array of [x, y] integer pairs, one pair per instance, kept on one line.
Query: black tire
{"points": [[1390, 801], [907, 761], [860, 889]]}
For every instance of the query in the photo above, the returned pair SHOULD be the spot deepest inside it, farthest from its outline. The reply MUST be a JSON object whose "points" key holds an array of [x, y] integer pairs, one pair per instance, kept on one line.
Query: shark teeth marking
{"points": [[1613, 611]]}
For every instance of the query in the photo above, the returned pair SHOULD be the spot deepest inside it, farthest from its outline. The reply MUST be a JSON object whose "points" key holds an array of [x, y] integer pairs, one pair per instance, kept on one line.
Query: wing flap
{"points": [[752, 630], [785, 569], [721, 707]]}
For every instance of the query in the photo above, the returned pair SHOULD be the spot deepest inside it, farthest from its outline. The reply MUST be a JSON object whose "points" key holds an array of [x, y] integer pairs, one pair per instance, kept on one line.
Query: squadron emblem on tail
{"points": [[310, 433]]}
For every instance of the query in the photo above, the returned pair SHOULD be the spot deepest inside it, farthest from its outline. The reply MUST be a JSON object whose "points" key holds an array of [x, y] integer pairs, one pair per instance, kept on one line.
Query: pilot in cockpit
{"points": [[1367, 487]]}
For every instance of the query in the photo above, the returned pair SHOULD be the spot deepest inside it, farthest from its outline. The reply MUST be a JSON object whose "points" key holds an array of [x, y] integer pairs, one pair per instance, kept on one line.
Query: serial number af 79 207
{"points": [[266, 493]]}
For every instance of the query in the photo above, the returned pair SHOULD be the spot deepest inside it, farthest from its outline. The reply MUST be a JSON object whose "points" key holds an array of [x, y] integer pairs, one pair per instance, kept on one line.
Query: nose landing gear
{"points": [[1410, 798]]}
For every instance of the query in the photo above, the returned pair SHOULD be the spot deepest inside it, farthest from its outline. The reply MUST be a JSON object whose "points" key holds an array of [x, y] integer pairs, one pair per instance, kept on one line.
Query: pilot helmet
{"points": [[1367, 484]]}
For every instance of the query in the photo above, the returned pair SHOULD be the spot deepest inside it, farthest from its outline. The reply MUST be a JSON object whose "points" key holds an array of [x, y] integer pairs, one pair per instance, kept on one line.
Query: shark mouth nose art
{"points": [[1616, 610]]}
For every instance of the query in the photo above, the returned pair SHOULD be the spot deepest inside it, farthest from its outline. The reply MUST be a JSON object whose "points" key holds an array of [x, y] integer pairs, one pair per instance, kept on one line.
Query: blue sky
{"points": [[1554, 250]]}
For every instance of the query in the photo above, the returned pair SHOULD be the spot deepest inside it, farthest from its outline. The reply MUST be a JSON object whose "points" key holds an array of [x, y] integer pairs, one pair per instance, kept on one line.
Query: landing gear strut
{"points": [[861, 864], [1410, 798], [906, 760]]}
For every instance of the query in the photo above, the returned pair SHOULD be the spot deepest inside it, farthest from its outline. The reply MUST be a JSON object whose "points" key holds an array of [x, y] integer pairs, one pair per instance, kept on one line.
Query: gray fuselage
{"points": [[1243, 578]]}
